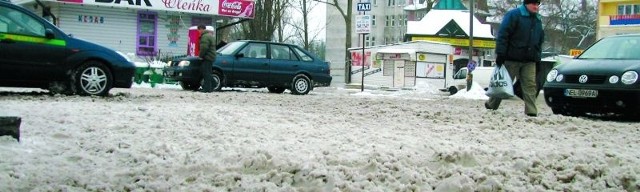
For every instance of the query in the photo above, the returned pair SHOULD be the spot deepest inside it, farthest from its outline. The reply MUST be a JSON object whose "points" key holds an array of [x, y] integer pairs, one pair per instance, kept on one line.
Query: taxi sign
{"points": [[363, 6]]}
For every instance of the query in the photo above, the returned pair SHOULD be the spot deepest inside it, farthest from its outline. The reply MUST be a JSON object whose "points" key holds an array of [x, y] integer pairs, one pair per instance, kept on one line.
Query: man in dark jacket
{"points": [[207, 55], [519, 48]]}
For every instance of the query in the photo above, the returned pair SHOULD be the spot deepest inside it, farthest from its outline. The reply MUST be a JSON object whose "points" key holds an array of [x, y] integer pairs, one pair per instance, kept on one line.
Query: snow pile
{"points": [[167, 139], [476, 92]]}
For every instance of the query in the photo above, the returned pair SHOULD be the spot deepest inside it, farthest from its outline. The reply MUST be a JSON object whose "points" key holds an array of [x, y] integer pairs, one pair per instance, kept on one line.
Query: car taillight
{"points": [[328, 68]]}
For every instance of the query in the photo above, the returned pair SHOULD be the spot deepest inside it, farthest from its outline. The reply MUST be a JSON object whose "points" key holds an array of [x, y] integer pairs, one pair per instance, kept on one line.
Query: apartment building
{"points": [[616, 17]]}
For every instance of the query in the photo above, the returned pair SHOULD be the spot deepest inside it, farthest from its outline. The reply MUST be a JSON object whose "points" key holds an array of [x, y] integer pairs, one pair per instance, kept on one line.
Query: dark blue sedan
{"points": [[276, 66]]}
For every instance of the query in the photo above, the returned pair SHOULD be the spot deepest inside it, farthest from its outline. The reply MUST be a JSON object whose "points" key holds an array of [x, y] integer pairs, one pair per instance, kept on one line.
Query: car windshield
{"points": [[231, 47], [620, 48]]}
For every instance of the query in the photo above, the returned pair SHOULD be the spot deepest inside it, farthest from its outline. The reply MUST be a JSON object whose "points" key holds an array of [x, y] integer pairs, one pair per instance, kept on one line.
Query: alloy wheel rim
{"points": [[301, 85], [93, 80]]}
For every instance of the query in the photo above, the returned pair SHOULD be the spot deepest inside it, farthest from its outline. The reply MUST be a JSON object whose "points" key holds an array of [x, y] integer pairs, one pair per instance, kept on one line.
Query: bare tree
{"points": [[267, 20], [346, 14], [567, 24], [301, 28]]}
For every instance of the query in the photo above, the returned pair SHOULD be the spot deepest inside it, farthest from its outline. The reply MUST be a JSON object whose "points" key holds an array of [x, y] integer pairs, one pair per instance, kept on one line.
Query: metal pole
{"points": [[363, 60], [469, 72]]}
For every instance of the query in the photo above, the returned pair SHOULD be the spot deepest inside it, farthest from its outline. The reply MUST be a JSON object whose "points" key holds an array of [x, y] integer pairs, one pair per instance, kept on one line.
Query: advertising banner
{"points": [[193, 48], [230, 8], [236, 8], [357, 59]]}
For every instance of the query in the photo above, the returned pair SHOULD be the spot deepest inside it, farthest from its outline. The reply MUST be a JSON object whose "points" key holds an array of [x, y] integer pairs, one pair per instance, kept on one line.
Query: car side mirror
{"points": [[48, 33], [239, 55]]}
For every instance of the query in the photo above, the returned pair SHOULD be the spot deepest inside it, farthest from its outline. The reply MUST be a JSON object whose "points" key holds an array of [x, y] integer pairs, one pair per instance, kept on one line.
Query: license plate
{"points": [[588, 93], [169, 72]]}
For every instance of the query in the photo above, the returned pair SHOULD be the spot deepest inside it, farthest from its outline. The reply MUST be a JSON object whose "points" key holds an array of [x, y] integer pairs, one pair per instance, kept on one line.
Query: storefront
{"points": [[139, 28], [399, 65]]}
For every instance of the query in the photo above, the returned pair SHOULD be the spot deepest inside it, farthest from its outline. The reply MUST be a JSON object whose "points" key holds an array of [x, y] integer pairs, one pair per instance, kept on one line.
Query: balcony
{"points": [[624, 20]]}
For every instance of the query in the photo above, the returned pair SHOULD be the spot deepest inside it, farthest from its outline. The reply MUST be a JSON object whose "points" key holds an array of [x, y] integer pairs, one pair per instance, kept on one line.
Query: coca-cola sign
{"points": [[236, 8]]}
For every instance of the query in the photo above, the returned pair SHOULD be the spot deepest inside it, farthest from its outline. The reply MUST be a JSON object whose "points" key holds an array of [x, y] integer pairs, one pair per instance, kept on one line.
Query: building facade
{"points": [[388, 26], [616, 17], [390, 19], [141, 28]]}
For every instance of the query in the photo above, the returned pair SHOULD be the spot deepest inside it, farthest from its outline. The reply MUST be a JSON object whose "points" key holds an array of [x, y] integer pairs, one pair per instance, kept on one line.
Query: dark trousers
{"points": [[206, 70], [525, 72]]}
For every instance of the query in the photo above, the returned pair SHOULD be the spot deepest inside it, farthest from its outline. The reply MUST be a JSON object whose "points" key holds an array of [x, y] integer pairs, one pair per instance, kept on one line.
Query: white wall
{"points": [[118, 31]]}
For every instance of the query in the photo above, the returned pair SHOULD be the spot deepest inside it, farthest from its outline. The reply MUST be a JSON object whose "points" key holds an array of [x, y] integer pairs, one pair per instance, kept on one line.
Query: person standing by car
{"points": [[207, 55], [519, 48]]}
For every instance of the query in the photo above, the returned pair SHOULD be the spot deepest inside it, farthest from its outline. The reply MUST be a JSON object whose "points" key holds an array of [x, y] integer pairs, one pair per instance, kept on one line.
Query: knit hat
{"points": [[531, 1]]}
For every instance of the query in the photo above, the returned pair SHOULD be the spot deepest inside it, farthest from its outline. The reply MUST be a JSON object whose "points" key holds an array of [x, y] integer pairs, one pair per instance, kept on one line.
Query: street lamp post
{"points": [[470, 65]]}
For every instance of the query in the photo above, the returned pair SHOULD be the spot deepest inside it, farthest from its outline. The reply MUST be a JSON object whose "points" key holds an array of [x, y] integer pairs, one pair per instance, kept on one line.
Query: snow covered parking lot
{"points": [[144, 139]]}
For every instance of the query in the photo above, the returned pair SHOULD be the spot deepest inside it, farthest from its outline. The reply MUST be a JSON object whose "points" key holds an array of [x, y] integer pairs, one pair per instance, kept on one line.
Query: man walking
{"points": [[519, 48], [207, 55]]}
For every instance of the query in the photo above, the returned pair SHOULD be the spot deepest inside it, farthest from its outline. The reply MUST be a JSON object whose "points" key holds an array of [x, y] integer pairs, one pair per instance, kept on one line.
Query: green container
{"points": [[149, 75]]}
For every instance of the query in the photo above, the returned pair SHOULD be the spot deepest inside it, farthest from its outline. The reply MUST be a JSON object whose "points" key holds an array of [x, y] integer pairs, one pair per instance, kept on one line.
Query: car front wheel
{"points": [[216, 84], [190, 86], [301, 85], [93, 78]]}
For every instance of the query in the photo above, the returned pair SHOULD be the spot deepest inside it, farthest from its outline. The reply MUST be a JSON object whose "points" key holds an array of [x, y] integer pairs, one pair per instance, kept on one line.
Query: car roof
{"points": [[258, 41]]}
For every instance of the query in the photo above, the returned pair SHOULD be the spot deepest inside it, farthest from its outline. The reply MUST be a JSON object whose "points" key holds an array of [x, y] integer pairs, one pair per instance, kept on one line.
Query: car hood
{"points": [[83, 45], [598, 66]]}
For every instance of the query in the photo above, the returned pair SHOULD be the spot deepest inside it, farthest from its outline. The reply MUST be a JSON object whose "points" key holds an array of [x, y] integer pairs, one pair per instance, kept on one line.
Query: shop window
{"points": [[146, 35]]}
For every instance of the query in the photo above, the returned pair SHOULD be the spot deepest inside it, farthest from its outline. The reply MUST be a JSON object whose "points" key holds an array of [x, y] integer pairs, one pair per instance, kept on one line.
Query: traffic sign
{"points": [[364, 6], [363, 23]]}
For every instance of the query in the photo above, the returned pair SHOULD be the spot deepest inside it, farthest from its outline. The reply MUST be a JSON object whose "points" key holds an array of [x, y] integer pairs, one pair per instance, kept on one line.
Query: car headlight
{"points": [[552, 75], [183, 63], [629, 77], [559, 78], [614, 79], [168, 64]]}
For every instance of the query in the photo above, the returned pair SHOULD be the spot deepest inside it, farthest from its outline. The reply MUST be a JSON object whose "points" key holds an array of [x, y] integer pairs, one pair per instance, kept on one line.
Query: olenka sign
{"points": [[230, 8]]}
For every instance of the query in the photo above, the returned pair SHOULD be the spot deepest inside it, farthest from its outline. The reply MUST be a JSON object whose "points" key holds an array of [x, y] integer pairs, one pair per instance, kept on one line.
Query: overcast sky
{"points": [[317, 20]]}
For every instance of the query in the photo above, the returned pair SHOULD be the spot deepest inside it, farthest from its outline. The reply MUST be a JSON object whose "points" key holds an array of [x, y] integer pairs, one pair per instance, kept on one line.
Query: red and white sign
{"points": [[193, 48], [230, 8], [356, 58], [236, 8]]}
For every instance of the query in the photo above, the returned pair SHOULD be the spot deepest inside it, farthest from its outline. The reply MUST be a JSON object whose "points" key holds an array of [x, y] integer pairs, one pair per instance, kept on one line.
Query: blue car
{"points": [[35, 53], [276, 66]]}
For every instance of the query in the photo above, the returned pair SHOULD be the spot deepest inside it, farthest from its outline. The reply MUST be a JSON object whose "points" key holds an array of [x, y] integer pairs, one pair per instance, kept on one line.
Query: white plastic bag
{"points": [[500, 85]]}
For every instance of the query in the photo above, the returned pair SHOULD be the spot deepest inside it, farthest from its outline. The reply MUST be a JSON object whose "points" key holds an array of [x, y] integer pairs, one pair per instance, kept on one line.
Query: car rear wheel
{"points": [[301, 85], [276, 89], [216, 85], [191, 86], [93, 78]]}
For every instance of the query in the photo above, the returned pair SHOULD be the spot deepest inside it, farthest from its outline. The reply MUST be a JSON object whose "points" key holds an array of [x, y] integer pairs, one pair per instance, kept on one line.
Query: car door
{"points": [[26, 54], [284, 64], [253, 65]]}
